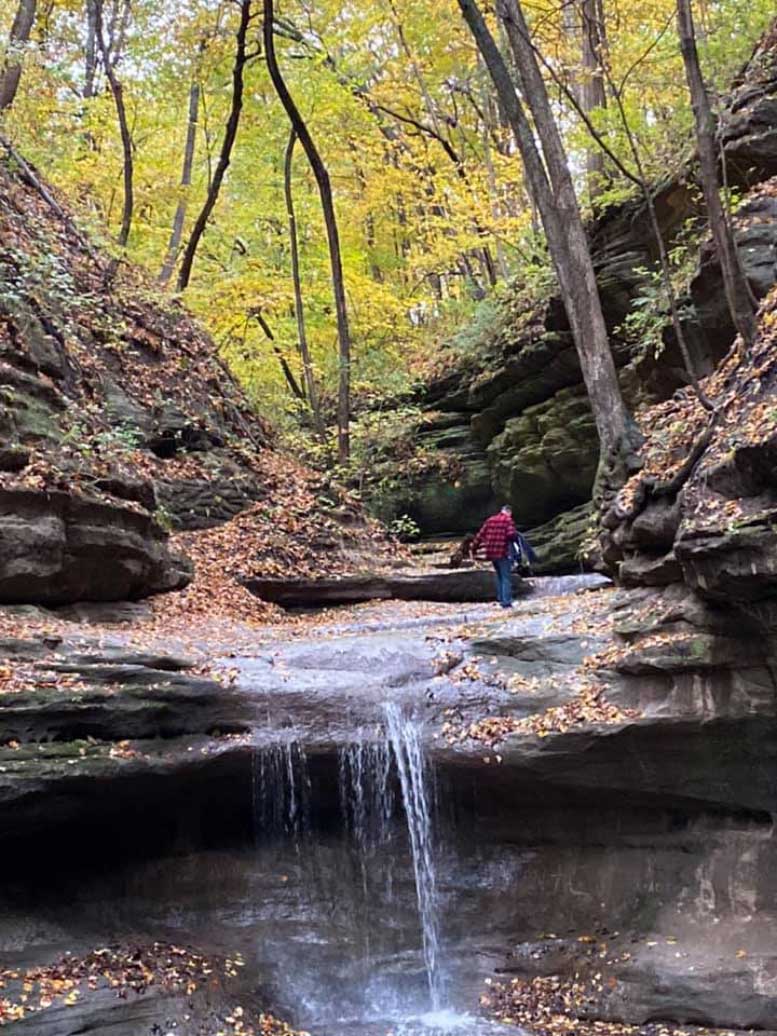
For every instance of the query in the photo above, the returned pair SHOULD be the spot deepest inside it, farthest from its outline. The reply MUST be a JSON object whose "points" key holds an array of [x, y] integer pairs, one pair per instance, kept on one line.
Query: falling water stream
{"points": [[281, 790], [411, 766], [379, 891], [366, 793], [384, 787]]}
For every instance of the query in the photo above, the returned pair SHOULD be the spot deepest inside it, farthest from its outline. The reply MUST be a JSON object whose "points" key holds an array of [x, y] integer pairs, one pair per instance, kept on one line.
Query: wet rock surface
{"points": [[638, 850], [90, 726]]}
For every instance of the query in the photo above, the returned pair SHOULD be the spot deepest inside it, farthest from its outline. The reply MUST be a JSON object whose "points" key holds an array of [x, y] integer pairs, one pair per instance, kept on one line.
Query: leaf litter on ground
{"points": [[132, 970]]}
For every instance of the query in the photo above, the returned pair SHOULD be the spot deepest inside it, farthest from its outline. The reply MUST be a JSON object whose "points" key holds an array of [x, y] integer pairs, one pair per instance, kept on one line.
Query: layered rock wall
{"points": [[514, 424], [118, 420]]}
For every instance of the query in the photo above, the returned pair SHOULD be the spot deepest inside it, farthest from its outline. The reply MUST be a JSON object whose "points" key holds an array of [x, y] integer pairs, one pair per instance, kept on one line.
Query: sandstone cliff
{"points": [[510, 418]]}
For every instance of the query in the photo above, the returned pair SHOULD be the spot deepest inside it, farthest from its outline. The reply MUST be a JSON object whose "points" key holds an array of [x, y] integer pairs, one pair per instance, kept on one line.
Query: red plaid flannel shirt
{"points": [[495, 536]]}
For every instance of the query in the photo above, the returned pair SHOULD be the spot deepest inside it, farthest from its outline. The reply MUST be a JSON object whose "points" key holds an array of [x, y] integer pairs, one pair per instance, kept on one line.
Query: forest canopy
{"points": [[433, 212]]}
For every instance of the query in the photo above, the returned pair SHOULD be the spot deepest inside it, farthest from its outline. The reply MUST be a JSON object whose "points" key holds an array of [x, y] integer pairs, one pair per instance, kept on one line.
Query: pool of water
{"points": [[370, 920], [433, 1023], [326, 915], [330, 936]]}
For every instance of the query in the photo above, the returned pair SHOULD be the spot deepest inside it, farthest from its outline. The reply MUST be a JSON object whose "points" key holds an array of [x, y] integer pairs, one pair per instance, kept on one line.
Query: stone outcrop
{"points": [[692, 539], [453, 584], [649, 869], [118, 421], [543, 458], [100, 724], [511, 419], [701, 512], [58, 547], [447, 501], [633, 855], [560, 543], [697, 699]]}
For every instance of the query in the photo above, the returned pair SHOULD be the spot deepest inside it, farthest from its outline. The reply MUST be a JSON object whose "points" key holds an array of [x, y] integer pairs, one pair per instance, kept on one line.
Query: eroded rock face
{"points": [[203, 503], [651, 865], [702, 512], [684, 936], [118, 422], [543, 458], [522, 401], [57, 548], [693, 537], [106, 737], [560, 543], [636, 855], [449, 502]]}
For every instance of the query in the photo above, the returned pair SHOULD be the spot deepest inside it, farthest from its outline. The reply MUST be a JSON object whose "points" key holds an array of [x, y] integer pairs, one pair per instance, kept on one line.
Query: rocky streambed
{"points": [[376, 823]]}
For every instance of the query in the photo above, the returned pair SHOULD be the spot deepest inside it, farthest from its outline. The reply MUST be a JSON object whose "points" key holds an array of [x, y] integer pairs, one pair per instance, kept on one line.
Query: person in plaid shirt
{"points": [[495, 537]]}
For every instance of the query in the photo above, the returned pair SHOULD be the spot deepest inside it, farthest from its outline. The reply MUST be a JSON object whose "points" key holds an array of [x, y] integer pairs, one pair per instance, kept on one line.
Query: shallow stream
{"points": [[375, 923], [375, 876]]}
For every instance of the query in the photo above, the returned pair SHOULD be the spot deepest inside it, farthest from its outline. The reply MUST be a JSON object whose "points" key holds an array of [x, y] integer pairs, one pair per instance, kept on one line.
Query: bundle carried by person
{"points": [[522, 554]]}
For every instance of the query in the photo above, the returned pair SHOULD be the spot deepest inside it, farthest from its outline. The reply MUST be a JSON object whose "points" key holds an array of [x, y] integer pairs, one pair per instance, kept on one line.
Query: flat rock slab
{"points": [[451, 585], [59, 548]]}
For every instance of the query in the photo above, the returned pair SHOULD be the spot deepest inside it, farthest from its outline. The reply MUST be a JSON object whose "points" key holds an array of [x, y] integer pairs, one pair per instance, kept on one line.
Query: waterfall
{"points": [[281, 790], [411, 767], [381, 766], [366, 793]]}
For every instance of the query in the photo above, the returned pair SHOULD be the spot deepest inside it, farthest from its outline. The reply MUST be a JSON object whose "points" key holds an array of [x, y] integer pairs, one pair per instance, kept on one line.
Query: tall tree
{"points": [[299, 311], [639, 177], [110, 47], [738, 295], [592, 91], [90, 49], [553, 191], [186, 179], [20, 34], [225, 156], [333, 237]]}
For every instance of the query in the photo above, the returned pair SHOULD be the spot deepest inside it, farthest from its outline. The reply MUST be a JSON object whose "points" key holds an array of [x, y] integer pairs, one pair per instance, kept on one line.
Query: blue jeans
{"points": [[504, 581]]}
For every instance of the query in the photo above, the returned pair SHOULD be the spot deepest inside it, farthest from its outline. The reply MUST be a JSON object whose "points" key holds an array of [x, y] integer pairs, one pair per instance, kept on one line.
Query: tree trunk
{"points": [[294, 386], [307, 366], [734, 282], [333, 237], [119, 27], [186, 179], [592, 92], [666, 270], [90, 50], [230, 134], [20, 34], [571, 26], [639, 179], [553, 193], [488, 127], [117, 91]]}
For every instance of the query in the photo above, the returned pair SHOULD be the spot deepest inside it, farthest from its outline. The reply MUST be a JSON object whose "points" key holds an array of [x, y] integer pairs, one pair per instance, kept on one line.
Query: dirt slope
{"points": [[120, 424]]}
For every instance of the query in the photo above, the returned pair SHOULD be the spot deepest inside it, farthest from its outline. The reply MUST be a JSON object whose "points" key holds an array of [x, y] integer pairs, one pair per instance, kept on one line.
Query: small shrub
{"points": [[404, 528], [125, 436], [164, 519]]}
